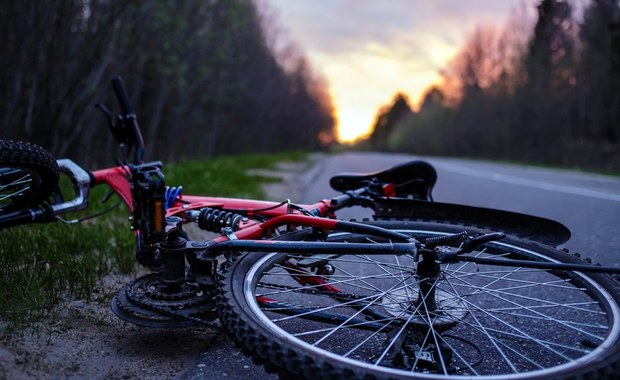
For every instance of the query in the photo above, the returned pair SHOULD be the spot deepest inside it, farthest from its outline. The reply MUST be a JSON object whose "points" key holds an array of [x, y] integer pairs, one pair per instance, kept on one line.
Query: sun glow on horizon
{"points": [[369, 53], [352, 125], [364, 80], [355, 118]]}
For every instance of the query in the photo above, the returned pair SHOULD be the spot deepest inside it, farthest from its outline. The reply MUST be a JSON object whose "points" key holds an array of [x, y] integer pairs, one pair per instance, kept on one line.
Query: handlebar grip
{"points": [[121, 95], [26, 216], [345, 199]]}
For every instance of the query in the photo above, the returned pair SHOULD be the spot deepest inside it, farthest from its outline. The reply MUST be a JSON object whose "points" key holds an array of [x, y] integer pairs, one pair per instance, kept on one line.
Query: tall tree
{"points": [[599, 71], [550, 95], [201, 74], [547, 112], [387, 119]]}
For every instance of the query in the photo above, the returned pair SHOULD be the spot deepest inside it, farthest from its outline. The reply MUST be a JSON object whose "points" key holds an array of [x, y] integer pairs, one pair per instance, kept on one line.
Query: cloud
{"points": [[369, 49], [336, 26]]}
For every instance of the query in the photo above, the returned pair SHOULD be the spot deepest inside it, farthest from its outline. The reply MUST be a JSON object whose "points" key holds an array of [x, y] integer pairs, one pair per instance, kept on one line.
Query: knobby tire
{"points": [[28, 174], [490, 322]]}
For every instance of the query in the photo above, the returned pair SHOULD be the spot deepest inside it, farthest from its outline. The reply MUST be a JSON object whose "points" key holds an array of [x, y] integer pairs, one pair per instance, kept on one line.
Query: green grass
{"points": [[40, 265], [225, 176]]}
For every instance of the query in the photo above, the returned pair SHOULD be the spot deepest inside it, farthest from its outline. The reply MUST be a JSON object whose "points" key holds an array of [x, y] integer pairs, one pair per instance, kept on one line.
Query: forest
{"points": [[544, 89], [206, 78]]}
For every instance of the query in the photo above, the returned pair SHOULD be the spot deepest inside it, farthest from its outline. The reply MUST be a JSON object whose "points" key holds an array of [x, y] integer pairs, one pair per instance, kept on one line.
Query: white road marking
{"points": [[528, 183]]}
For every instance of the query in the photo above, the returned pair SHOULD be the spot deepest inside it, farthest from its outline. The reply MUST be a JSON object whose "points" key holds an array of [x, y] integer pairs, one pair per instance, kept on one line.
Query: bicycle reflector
{"points": [[158, 216]]}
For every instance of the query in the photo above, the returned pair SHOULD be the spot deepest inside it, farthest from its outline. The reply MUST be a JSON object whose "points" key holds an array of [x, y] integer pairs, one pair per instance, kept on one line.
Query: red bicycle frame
{"points": [[277, 214]]}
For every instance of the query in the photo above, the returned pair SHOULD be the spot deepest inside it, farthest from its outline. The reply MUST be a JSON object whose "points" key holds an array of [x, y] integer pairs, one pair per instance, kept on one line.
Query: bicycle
{"points": [[425, 290]]}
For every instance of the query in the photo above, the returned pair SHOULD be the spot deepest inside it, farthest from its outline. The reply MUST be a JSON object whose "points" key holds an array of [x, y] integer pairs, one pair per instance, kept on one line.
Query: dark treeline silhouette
{"points": [[545, 91], [202, 75], [390, 118]]}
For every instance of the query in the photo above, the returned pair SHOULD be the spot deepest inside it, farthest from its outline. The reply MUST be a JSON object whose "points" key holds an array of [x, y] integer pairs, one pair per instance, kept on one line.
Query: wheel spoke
{"points": [[348, 280], [20, 181], [478, 325], [482, 321], [499, 294], [519, 331], [336, 328]]}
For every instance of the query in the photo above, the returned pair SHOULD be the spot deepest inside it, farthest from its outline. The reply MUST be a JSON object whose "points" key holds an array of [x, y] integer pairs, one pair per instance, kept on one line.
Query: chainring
{"points": [[148, 302]]}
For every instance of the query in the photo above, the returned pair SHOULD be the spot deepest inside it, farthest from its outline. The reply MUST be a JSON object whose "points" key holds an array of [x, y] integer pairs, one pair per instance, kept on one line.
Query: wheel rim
{"points": [[16, 184], [502, 323]]}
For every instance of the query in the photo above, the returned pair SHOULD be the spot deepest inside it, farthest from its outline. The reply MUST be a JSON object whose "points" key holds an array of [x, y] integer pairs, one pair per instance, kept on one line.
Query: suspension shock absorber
{"points": [[214, 220]]}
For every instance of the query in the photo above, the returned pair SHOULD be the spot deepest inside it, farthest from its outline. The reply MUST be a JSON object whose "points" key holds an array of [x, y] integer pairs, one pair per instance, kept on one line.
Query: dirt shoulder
{"points": [[85, 340]]}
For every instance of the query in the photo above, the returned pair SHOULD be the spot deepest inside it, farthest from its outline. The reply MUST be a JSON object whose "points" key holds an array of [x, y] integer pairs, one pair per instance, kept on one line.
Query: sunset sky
{"points": [[370, 49]]}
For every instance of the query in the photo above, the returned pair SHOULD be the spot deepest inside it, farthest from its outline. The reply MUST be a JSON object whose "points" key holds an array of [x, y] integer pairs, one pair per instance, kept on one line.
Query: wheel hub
{"points": [[402, 304]]}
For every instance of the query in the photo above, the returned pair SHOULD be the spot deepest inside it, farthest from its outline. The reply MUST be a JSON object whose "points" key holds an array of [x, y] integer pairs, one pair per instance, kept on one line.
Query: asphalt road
{"points": [[589, 205]]}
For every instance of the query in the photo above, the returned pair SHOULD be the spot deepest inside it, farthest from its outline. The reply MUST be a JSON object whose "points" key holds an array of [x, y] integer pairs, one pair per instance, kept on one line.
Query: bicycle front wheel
{"points": [[362, 316], [28, 174]]}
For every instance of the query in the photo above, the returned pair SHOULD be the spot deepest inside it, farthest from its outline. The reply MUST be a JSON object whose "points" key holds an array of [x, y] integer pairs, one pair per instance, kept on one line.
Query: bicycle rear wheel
{"points": [[28, 174], [354, 316]]}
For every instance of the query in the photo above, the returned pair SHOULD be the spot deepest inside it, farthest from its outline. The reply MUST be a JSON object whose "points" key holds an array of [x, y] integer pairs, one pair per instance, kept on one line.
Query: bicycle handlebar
{"points": [[81, 186], [346, 198], [129, 121], [122, 96], [25, 216], [47, 213]]}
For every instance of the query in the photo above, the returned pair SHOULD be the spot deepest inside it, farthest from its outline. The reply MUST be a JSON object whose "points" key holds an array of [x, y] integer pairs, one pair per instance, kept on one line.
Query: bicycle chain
{"points": [[178, 315], [132, 304]]}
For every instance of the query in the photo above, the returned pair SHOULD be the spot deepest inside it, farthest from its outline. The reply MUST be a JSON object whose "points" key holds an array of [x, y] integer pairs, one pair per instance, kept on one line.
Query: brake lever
{"points": [[476, 241], [106, 112], [446, 254]]}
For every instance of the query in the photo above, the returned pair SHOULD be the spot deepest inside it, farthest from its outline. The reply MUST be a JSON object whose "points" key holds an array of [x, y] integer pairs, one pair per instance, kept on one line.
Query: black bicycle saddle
{"points": [[414, 179]]}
